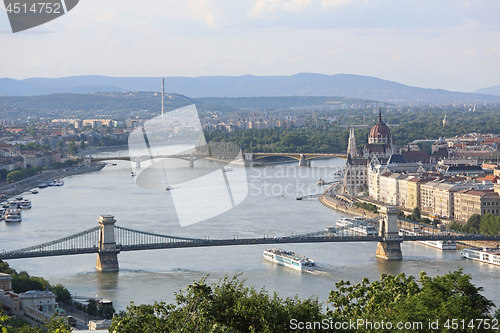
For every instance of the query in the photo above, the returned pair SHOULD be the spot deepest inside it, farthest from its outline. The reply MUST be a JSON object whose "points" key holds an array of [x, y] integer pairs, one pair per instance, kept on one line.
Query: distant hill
{"points": [[304, 84], [281, 102], [145, 103], [495, 90]]}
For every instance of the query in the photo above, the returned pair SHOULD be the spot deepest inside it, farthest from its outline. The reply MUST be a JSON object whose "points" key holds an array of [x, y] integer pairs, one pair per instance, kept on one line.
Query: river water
{"points": [[270, 209]]}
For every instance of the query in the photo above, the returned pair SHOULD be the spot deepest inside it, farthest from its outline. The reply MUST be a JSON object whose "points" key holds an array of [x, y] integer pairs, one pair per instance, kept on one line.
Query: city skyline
{"points": [[448, 45]]}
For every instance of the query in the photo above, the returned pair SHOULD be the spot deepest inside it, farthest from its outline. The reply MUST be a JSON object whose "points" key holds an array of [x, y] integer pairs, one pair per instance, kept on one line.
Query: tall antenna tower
{"points": [[162, 94]]}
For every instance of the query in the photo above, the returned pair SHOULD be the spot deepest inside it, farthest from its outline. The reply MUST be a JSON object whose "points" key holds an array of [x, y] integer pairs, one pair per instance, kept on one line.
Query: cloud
{"points": [[263, 7], [296, 6], [398, 56], [334, 3], [470, 52], [104, 16], [202, 10]]}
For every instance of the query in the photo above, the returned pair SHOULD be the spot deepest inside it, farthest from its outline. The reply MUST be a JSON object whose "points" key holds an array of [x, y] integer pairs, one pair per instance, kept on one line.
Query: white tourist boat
{"points": [[13, 215], [290, 259], [330, 230], [486, 254], [438, 244], [356, 225], [25, 204], [57, 182]]}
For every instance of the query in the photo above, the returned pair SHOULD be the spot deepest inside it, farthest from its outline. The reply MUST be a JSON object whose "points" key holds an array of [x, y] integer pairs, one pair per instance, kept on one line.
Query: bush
{"points": [[367, 206]]}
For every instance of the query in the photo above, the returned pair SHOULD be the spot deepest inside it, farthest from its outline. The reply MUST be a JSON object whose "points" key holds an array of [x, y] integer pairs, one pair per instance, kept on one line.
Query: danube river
{"points": [[270, 209]]}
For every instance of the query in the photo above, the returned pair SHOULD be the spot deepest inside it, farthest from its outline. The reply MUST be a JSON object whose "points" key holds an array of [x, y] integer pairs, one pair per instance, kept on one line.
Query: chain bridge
{"points": [[107, 240]]}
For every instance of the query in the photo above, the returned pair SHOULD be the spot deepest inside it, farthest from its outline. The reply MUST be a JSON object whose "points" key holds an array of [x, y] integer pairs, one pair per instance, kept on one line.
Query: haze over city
{"points": [[451, 45]]}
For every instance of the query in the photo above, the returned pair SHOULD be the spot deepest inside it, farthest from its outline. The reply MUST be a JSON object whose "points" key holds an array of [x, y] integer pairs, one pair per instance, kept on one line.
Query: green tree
{"points": [[3, 174], [62, 294], [92, 308], [23, 282], [83, 145], [404, 299], [106, 311], [227, 306], [72, 148], [60, 146], [490, 225], [473, 224], [415, 214]]}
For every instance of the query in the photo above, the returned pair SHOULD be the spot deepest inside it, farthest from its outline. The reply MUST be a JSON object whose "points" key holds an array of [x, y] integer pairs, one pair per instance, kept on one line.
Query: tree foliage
{"points": [[17, 175], [486, 224], [72, 148], [227, 306], [55, 325], [367, 206], [404, 299]]}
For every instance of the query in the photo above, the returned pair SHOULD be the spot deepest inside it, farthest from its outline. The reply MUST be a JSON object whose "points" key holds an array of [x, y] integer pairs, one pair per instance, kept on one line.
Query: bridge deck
{"points": [[249, 241]]}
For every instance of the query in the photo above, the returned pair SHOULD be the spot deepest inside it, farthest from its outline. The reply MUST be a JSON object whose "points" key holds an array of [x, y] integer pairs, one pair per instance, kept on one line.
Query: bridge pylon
{"points": [[107, 257], [303, 162], [191, 160], [248, 159], [390, 248]]}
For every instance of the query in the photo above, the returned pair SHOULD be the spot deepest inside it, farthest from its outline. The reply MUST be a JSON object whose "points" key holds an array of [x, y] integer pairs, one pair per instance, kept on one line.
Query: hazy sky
{"points": [[448, 44]]}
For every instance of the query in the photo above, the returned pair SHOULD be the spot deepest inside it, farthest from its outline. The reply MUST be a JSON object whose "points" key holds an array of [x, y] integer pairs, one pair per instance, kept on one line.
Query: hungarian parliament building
{"points": [[439, 186]]}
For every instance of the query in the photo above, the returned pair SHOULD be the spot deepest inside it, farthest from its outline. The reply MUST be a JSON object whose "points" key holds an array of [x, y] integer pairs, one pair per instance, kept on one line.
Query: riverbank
{"points": [[47, 176], [345, 207]]}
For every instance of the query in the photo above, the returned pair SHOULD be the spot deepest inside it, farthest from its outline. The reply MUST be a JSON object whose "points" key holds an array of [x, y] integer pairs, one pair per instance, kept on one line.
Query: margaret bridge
{"points": [[249, 158], [107, 240]]}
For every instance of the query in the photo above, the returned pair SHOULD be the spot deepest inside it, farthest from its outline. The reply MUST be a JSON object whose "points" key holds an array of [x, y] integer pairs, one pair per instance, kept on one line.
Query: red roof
{"points": [[489, 177]]}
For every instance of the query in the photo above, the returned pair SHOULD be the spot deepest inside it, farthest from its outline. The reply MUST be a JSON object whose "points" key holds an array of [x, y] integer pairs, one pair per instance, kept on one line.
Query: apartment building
{"points": [[413, 191], [468, 202], [389, 188], [437, 197]]}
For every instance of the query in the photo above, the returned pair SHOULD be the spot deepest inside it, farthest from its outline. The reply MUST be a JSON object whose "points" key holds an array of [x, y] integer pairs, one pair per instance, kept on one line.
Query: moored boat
{"points": [[57, 182], [357, 225], [438, 244], [290, 259], [13, 215], [25, 204], [42, 185], [486, 254]]}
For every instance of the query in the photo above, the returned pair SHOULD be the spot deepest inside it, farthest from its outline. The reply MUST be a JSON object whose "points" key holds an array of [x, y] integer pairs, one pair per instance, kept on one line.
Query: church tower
{"points": [[351, 146]]}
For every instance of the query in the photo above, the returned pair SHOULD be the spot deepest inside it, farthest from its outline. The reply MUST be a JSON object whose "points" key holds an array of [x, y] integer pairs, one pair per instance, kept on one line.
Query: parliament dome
{"points": [[379, 133]]}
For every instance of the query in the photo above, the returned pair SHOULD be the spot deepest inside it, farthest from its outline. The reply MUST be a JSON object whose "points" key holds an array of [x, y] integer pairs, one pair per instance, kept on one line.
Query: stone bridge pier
{"points": [[191, 160], [390, 247], [303, 162], [107, 257]]}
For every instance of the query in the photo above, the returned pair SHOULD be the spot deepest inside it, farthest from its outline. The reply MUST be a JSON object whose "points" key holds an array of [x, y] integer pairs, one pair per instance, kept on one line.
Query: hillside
{"points": [[304, 84], [495, 90]]}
